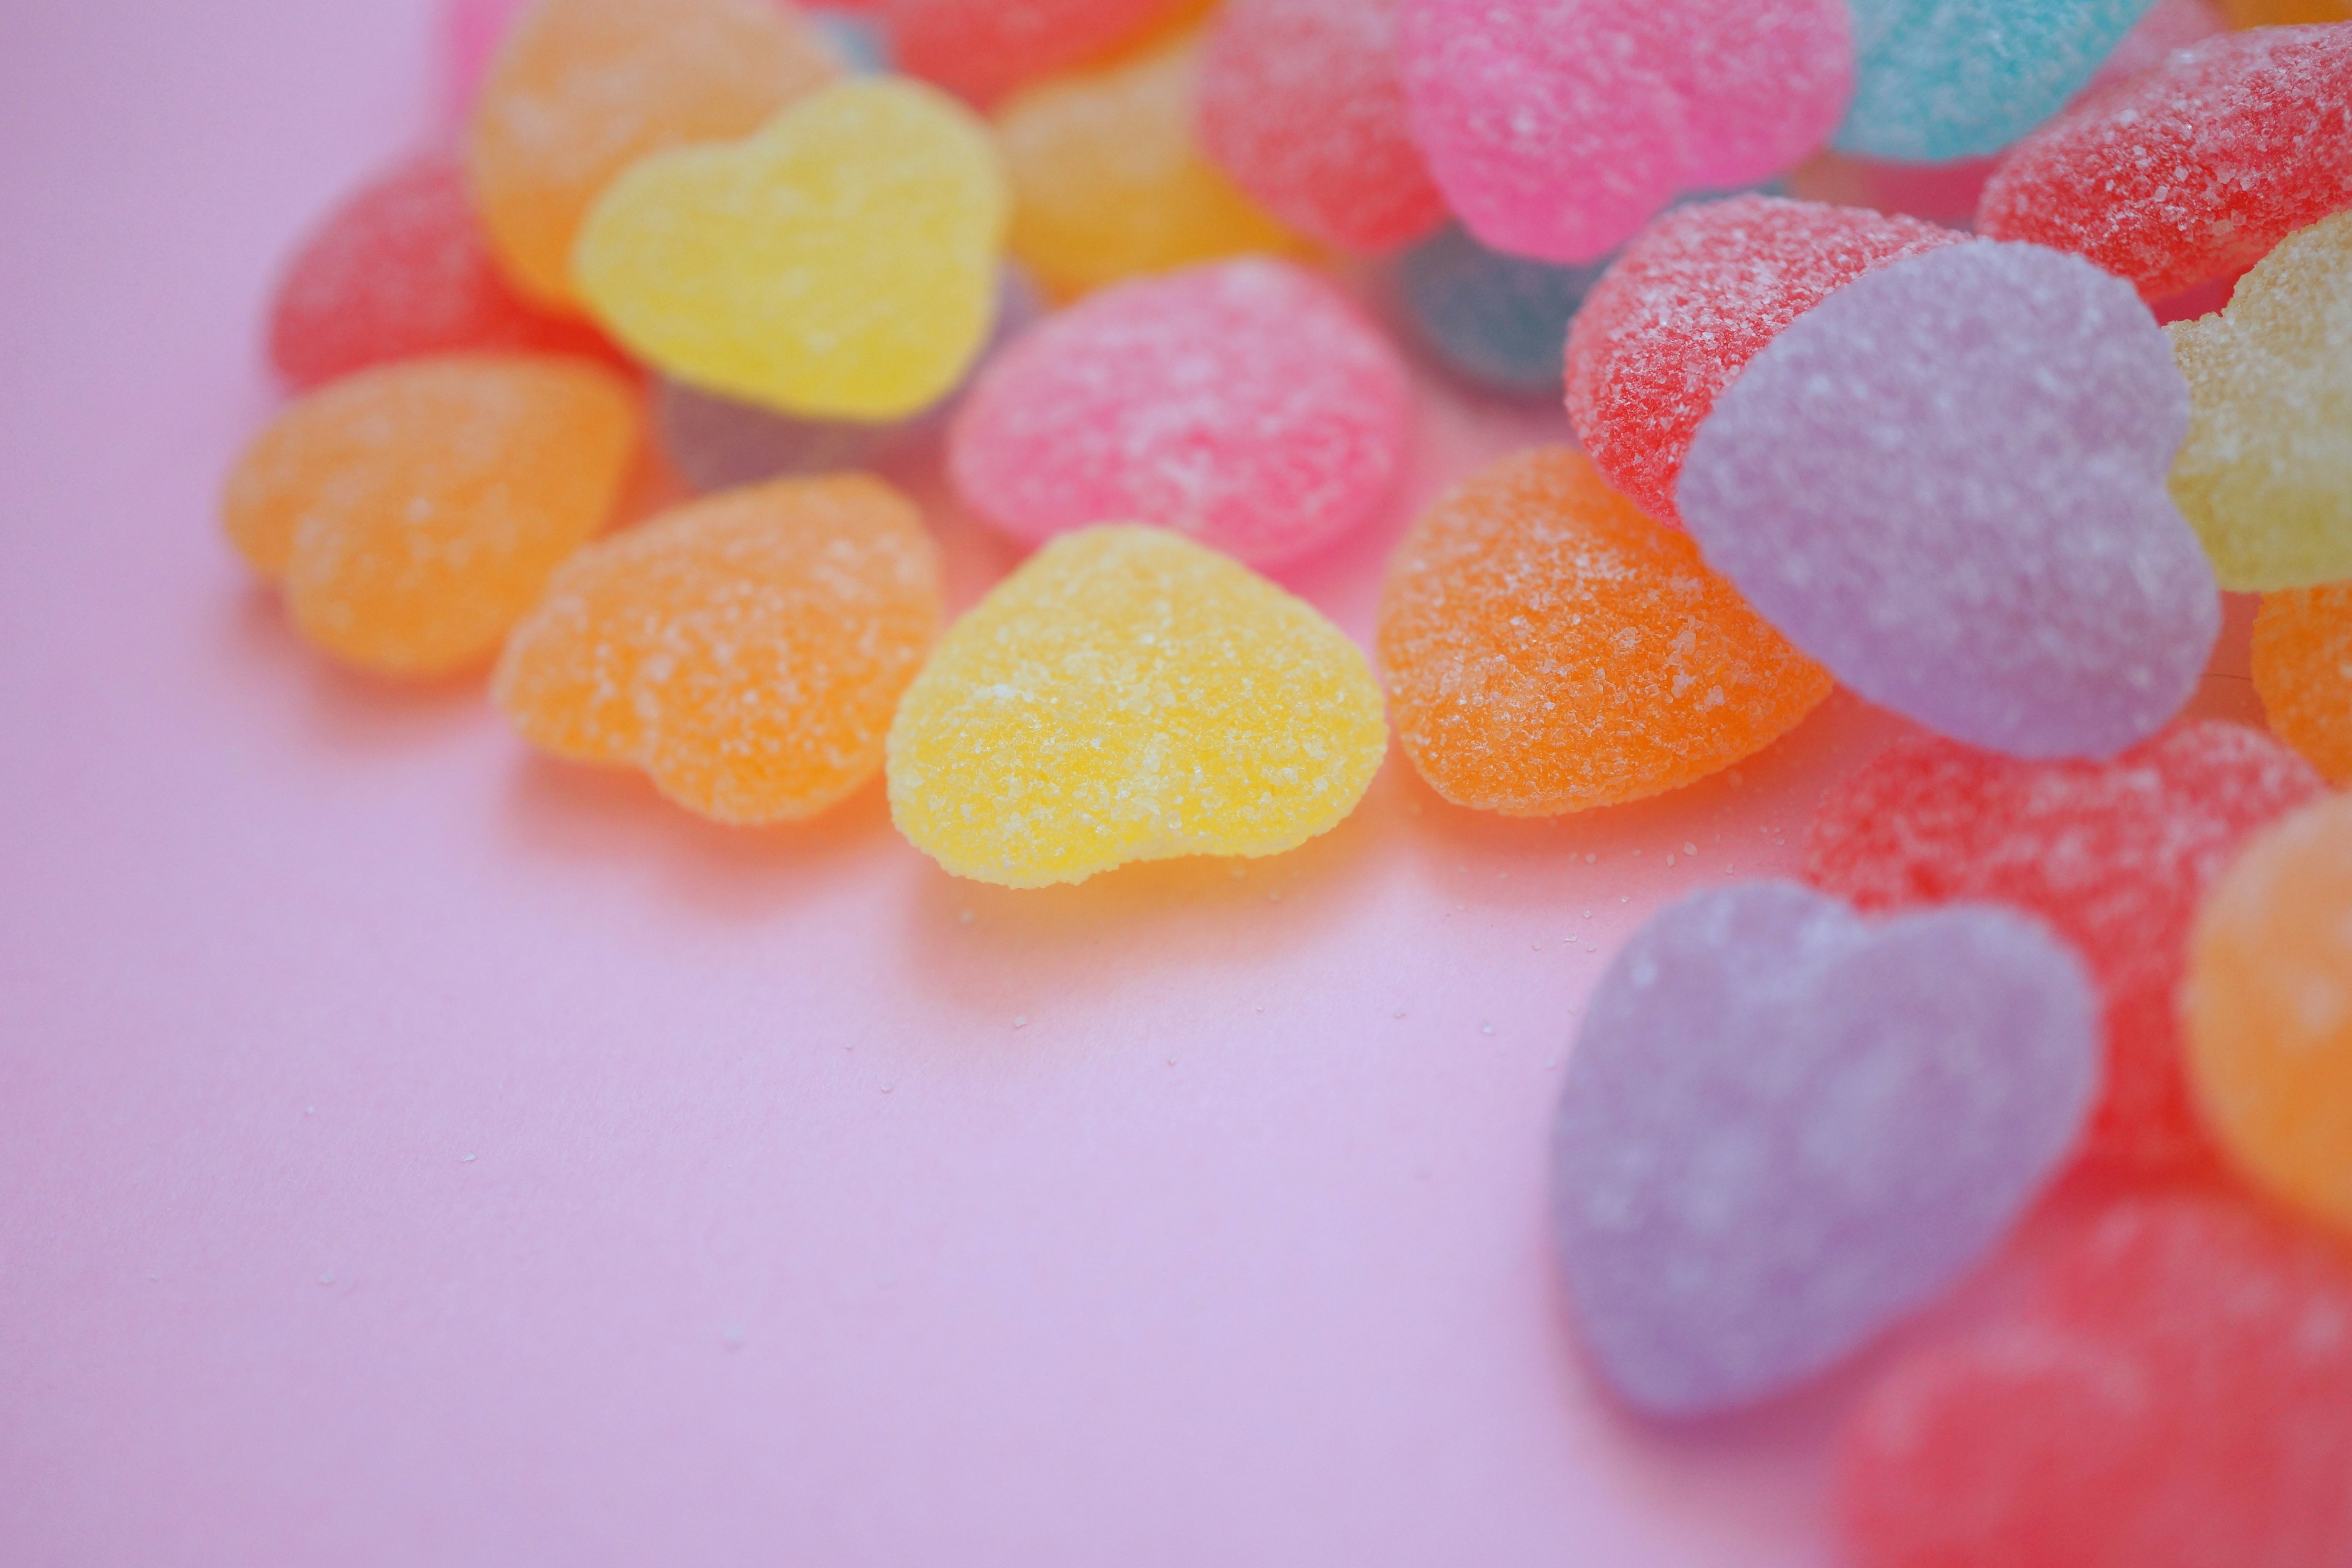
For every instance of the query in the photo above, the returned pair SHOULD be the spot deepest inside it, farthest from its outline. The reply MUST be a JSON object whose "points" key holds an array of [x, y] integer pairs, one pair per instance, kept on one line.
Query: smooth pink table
{"points": [[413, 1153]]}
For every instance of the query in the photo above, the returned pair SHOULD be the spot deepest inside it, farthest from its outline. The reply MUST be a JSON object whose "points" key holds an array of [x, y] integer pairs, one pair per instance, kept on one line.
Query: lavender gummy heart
{"points": [[1786, 1126], [1947, 483]]}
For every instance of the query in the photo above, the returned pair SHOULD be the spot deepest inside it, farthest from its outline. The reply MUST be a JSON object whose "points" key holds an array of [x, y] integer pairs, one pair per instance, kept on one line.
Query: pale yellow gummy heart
{"points": [[841, 263], [2266, 477], [1129, 695]]}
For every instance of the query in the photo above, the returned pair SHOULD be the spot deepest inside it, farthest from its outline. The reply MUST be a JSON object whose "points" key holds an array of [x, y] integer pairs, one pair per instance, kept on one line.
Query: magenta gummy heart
{"points": [[1947, 483], [1557, 128], [1787, 1126]]}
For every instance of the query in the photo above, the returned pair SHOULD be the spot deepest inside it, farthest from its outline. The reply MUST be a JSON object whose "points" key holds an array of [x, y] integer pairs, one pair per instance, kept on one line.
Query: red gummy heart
{"points": [[2179, 1396], [1689, 303], [400, 270], [2193, 170], [2116, 855]]}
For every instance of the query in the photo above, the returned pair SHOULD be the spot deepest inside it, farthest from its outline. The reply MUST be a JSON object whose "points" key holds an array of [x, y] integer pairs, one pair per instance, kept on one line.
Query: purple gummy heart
{"points": [[1786, 1126], [1947, 483]]}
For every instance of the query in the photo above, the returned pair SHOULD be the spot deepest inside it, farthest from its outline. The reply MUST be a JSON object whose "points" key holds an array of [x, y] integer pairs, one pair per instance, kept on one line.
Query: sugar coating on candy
{"points": [[1300, 103], [842, 263], [2265, 475], [398, 271], [2178, 1395], [2302, 672], [2193, 170], [410, 512], [582, 89], [1501, 321], [1128, 695], [1246, 403], [1943, 80], [1556, 128], [2268, 1011], [1689, 303], [747, 650], [983, 49], [1547, 649], [1945, 482], [717, 443], [1786, 1127], [1111, 180], [2115, 856]]}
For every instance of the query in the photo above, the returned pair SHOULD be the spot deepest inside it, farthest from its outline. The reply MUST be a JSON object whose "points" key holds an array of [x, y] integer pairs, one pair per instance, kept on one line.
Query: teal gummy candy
{"points": [[1945, 79], [1500, 321]]}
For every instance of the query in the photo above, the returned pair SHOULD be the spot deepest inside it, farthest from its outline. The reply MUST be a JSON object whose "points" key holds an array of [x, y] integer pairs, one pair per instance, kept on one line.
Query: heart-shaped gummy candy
{"points": [[1947, 483], [1557, 128], [2178, 1393], [1128, 695], [840, 263], [1786, 1126]]}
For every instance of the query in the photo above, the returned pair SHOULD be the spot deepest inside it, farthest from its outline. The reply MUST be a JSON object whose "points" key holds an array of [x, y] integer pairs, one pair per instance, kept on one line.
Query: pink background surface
{"points": [[415, 1152]]}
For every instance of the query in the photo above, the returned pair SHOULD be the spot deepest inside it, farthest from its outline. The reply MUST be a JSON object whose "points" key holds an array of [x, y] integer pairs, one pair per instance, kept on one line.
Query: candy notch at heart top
{"points": [[1128, 695], [1556, 128], [840, 263], [1786, 1127], [1945, 482]]}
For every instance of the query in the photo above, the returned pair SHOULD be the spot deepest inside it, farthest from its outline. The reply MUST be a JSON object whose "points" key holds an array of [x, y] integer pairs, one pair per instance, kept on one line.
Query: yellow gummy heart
{"points": [[2266, 477], [1129, 695], [841, 263]]}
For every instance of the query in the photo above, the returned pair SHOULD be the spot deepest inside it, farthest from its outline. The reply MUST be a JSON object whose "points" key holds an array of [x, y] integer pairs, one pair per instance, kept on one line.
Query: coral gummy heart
{"points": [[746, 651], [2302, 672], [1556, 128], [1945, 482], [1246, 403], [400, 270], [2181, 1396], [841, 263], [2268, 1011], [1126, 695], [1548, 649], [2266, 477], [2115, 855], [1786, 1127], [981, 47], [1112, 180], [1686, 307], [1943, 80], [410, 512], [1301, 104], [582, 89], [2194, 170]]}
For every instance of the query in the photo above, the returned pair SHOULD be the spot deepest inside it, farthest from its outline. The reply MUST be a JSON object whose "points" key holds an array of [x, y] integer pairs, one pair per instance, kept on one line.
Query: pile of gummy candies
{"points": [[1924, 436]]}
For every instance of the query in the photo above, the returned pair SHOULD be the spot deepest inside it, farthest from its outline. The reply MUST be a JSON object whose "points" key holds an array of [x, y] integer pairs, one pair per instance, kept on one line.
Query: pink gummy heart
{"points": [[1557, 128]]}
